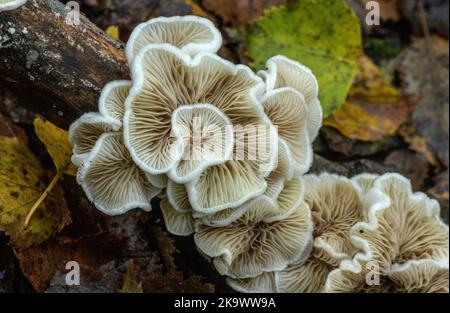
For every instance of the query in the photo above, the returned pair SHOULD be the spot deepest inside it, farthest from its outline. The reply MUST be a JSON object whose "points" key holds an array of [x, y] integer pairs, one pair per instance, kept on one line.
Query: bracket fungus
{"points": [[111, 180], [180, 223], [403, 240], [107, 174], [335, 203], [292, 103], [226, 150], [167, 81], [85, 131], [192, 34], [6, 5], [269, 235]]}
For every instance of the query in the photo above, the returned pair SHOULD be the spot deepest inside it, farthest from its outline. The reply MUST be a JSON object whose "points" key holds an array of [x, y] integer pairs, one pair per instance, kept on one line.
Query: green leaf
{"points": [[321, 34]]}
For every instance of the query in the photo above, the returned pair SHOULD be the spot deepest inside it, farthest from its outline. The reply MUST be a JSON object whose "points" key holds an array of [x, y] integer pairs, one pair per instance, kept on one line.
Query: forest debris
{"points": [[131, 281], [166, 247], [410, 164], [323, 35], [424, 71], [347, 147], [373, 109]]}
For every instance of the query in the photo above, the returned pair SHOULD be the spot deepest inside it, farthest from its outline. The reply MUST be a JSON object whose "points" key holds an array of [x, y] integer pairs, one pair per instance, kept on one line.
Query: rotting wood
{"points": [[60, 68]]}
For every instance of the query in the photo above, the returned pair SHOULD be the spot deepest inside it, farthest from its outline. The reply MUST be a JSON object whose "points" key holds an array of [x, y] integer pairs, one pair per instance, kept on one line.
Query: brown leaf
{"points": [[373, 109]]}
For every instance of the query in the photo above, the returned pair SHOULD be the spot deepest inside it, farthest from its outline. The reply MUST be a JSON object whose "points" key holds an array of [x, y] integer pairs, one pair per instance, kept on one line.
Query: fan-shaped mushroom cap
{"points": [[288, 111], [306, 277], [336, 206], [264, 283], [159, 181], [225, 186], [111, 180], [208, 137], [178, 197], [6, 5], [84, 132], [426, 276], [192, 34], [277, 187], [112, 99], [268, 236], [401, 227], [177, 223], [164, 78], [284, 72]]}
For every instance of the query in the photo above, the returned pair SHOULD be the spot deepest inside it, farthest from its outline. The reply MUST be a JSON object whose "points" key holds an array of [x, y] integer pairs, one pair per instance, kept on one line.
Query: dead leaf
{"points": [[56, 141], [21, 184], [373, 109], [39, 264]]}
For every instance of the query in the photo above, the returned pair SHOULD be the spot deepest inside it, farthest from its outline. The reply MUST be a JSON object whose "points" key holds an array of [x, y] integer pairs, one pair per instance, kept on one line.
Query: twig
{"points": [[42, 198]]}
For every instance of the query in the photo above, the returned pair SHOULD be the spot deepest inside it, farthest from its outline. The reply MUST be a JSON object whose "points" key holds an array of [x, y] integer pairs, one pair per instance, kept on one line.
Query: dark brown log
{"points": [[60, 68]]}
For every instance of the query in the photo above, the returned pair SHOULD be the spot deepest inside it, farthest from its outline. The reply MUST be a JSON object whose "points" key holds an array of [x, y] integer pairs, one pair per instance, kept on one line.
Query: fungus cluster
{"points": [[227, 151]]}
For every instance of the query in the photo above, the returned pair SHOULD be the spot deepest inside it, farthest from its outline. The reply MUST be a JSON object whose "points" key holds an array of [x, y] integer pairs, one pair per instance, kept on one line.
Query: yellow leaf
{"points": [[113, 31], [56, 141], [21, 185]]}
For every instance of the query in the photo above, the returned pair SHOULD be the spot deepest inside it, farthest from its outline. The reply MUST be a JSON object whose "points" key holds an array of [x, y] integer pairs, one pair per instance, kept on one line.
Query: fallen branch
{"points": [[60, 68]]}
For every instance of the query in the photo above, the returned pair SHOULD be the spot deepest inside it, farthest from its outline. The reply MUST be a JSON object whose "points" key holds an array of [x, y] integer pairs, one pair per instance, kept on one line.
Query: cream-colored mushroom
{"points": [[208, 140], [85, 131], [263, 283], [192, 34], [268, 236], [284, 72], [178, 197], [275, 184], [164, 80], [288, 111], [112, 99], [336, 205], [111, 180], [6, 5], [180, 223], [401, 227]]}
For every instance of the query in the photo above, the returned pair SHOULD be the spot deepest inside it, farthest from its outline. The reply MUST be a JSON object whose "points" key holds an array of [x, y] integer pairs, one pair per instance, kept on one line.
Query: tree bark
{"points": [[59, 68]]}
